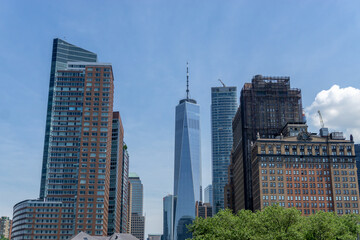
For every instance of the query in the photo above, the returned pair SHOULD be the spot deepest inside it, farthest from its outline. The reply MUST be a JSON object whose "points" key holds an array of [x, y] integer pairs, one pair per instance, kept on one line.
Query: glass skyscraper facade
{"points": [[62, 53], [168, 216], [223, 108], [208, 195], [187, 172], [125, 191], [137, 220], [116, 165], [137, 194]]}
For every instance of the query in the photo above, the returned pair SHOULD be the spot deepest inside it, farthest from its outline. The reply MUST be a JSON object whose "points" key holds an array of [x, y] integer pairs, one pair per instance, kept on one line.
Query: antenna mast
{"points": [[187, 80], [321, 119], [222, 82]]}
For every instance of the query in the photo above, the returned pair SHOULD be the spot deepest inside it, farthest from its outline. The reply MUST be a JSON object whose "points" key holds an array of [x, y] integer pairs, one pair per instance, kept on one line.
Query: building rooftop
{"points": [[117, 236], [188, 100], [89, 63], [133, 175]]}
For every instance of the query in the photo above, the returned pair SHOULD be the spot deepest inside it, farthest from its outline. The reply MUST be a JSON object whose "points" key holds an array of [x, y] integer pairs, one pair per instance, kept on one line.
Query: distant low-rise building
{"points": [[5, 227], [203, 210], [36, 219], [208, 198], [154, 237], [138, 226], [115, 236]]}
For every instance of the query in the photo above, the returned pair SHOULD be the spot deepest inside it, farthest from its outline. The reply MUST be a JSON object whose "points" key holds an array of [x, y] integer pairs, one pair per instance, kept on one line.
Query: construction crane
{"points": [[321, 119], [222, 82]]}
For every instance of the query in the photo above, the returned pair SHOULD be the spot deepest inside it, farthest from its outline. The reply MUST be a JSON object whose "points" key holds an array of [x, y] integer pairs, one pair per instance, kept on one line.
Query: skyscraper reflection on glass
{"points": [[187, 172], [223, 108]]}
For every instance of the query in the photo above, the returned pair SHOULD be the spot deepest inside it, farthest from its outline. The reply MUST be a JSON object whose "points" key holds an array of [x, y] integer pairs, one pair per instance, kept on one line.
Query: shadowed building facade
{"points": [[125, 191], [357, 157], [116, 175], [266, 105], [203, 210]]}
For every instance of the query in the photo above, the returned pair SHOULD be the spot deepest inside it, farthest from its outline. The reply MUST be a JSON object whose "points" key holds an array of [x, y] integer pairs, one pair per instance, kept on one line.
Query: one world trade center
{"points": [[187, 172]]}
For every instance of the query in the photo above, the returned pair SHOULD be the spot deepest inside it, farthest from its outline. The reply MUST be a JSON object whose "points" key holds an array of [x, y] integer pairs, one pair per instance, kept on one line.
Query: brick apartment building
{"points": [[307, 171]]}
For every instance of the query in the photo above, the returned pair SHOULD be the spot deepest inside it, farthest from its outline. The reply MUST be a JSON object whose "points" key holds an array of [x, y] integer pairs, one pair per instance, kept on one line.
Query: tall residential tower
{"points": [[187, 172], [62, 53], [223, 109], [81, 158]]}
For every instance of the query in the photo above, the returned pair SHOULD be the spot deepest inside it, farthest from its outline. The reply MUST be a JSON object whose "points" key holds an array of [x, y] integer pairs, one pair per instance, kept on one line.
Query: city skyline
{"points": [[148, 46]]}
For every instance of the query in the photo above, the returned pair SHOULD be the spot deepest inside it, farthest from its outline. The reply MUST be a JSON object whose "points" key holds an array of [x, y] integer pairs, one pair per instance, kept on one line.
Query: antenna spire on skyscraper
{"points": [[187, 80]]}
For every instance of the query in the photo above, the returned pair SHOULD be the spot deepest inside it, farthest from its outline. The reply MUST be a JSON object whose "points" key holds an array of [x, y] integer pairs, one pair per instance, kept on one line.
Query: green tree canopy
{"points": [[275, 223]]}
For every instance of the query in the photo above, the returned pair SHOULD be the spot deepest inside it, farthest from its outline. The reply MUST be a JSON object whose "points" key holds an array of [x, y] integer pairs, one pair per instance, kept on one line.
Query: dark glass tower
{"points": [[63, 52], [116, 165], [125, 191], [357, 158], [266, 105]]}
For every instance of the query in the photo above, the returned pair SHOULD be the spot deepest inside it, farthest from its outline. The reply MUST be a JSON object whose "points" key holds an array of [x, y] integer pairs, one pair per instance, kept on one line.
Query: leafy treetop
{"points": [[275, 223]]}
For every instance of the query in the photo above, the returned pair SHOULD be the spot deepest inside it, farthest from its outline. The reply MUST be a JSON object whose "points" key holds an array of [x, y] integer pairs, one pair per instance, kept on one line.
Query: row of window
{"points": [[89, 74]]}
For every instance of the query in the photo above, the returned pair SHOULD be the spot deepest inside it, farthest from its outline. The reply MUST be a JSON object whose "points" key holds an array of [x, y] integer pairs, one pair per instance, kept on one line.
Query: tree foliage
{"points": [[275, 223]]}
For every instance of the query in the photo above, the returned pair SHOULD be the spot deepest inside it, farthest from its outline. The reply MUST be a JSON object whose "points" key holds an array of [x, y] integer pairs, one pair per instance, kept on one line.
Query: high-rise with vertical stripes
{"points": [[223, 108]]}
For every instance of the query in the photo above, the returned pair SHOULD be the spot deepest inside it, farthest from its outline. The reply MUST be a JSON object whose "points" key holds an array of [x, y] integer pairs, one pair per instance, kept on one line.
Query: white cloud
{"points": [[340, 109]]}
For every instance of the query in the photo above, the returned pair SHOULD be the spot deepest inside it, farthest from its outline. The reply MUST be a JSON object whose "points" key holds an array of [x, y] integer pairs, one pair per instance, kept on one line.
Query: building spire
{"points": [[187, 80]]}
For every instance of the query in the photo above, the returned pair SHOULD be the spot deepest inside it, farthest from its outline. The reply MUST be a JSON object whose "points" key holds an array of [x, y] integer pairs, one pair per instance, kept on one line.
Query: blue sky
{"points": [[316, 43]]}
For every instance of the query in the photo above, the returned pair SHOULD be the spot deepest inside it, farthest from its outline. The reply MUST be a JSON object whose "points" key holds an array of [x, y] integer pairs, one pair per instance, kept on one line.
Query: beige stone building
{"points": [[307, 171]]}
